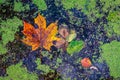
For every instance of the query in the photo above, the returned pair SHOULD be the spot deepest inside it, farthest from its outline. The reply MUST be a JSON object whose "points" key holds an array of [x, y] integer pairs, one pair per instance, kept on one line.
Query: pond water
{"points": [[59, 40]]}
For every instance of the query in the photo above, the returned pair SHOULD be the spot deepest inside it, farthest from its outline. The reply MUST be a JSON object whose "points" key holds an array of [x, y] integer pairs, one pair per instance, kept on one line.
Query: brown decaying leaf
{"points": [[62, 43], [43, 36], [63, 32]]}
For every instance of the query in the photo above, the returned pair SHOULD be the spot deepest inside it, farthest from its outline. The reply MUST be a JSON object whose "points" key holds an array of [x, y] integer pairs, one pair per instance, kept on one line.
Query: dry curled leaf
{"points": [[42, 36]]}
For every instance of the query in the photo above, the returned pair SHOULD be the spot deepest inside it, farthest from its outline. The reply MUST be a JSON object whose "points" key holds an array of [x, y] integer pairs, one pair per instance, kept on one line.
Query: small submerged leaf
{"points": [[71, 36], [86, 63], [75, 46]]}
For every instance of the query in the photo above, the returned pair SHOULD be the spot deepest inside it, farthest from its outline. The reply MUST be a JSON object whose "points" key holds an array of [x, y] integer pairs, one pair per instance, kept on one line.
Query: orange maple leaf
{"points": [[42, 36]]}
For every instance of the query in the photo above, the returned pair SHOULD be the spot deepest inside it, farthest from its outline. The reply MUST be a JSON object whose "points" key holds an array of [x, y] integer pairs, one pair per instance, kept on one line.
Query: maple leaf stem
{"points": [[40, 50], [40, 53]]}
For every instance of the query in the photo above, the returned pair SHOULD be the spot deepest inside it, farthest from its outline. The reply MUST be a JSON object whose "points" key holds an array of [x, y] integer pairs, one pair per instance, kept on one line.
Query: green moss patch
{"points": [[111, 53], [16, 72], [8, 29]]}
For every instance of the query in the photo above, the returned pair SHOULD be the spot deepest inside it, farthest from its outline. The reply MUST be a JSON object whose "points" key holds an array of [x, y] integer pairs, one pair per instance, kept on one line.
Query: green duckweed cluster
{"points": [[68, 4], [75, 46], [112, 8], [93, 12], [41, 4], [111, 53], [19, 73], [43, 67], [18, 6], [109, 5], [74, 20], [87, 6], [8, 29], [113, 23]]}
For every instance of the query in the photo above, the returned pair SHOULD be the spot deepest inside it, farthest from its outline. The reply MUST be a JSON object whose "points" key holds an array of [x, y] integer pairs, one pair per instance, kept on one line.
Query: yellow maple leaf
{"points": [[42, 36]]}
